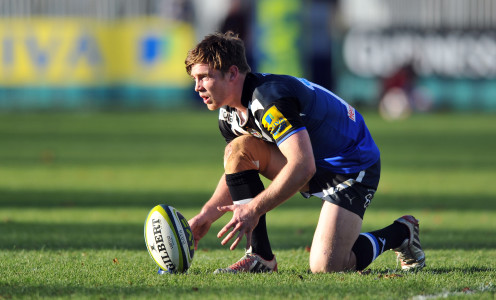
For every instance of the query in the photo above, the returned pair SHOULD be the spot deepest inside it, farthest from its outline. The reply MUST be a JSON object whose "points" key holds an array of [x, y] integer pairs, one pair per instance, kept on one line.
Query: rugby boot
{"points": [[410, 253], [251, 262]]}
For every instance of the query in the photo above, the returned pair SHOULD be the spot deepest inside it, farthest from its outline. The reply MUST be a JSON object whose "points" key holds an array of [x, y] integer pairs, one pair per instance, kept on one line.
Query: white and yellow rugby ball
{"points": [[169, 239]]}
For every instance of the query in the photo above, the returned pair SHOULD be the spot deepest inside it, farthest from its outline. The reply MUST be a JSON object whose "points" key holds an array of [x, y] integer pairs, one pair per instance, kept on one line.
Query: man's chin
{"points": [[212, 107]]}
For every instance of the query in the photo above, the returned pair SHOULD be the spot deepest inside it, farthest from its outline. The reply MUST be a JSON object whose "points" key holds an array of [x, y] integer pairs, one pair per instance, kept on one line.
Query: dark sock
{"points": [[392, 236], [370, 245], [243, 186]]}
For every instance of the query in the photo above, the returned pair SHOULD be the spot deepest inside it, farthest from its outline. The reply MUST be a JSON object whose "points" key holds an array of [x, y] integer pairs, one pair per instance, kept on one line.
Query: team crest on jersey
{"points": [[254, 133], [275, 122]]}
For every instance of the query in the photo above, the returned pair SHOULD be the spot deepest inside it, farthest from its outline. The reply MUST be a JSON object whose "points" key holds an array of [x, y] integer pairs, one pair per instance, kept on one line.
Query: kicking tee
{"points": [[281, 105]]}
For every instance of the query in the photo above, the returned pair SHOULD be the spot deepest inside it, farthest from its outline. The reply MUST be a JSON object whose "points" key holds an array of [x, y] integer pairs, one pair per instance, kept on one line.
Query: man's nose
{"points": [[198, 86]]}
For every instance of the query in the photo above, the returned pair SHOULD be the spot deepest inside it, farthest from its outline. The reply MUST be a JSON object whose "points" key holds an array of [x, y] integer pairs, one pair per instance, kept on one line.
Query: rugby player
{"points": [[303, 138]]}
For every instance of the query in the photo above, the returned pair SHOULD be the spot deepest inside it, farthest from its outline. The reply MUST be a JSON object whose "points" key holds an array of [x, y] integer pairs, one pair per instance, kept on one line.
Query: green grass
{"points": [[75, 190]]}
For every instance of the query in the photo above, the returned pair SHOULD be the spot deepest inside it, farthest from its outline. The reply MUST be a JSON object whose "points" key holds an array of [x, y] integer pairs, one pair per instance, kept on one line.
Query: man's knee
{"points": [[327, 263], [244, 153], [238, 144], [336, 232]]}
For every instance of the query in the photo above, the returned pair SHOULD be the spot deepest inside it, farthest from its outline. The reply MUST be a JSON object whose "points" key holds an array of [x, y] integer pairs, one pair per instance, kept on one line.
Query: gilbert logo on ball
{"points": [[169, 239]]}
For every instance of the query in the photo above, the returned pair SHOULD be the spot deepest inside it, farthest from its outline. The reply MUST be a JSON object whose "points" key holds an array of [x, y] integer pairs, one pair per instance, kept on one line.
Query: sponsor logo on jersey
{"points": [[275, 122]]}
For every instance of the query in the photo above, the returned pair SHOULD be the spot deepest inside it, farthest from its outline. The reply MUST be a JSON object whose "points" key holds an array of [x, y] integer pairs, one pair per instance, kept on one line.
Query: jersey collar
{"points": [[248, 88]]}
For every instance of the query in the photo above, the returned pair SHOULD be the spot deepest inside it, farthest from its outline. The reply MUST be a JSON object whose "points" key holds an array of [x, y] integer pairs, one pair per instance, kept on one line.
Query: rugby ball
{"points": [[169, 239]]}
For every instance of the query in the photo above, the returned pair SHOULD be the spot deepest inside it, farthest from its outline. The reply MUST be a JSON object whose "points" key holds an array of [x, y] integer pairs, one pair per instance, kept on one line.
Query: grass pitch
{"points": [[75, 190]]}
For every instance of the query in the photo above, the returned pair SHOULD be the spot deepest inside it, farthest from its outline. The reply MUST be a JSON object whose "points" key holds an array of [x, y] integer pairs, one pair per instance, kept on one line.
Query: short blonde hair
{"points": [[220, 51]]}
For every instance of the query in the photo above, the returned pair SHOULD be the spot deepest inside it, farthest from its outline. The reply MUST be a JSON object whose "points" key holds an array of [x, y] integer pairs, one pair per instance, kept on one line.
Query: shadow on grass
{"points": [[68, 199], [50, 199], [98, 235], [35, 236]]}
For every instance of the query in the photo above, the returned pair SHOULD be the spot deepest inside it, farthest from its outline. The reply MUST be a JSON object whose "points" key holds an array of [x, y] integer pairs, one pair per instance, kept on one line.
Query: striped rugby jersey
{"points": [[281, 105]]}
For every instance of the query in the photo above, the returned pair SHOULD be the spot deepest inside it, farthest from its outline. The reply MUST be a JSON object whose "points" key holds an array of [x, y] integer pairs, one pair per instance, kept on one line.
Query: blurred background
{"points": [[397, 56]]}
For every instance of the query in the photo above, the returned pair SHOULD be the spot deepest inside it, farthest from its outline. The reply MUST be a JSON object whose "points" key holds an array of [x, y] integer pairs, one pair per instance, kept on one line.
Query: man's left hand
{"points": [[243, 222]]}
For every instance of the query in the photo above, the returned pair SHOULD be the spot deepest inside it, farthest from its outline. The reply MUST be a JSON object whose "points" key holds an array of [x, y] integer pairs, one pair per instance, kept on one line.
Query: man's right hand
{"points": [[200, 224]]}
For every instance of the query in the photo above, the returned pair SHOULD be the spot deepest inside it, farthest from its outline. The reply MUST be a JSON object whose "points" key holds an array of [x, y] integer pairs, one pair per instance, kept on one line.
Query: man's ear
{"points": [[233, 72]]}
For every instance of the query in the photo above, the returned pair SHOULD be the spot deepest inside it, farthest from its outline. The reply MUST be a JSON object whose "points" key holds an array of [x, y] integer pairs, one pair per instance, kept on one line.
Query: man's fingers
{"points": [[231, 234], [237, 241], [225, 229], [236, 227]]}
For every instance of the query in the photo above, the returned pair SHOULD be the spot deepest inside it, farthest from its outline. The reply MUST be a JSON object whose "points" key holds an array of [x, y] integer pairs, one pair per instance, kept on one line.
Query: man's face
{"points": [[212, 86]]}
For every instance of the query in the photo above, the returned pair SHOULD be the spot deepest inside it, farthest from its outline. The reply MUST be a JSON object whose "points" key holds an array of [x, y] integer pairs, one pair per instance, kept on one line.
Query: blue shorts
{"points": [[353, 192]]}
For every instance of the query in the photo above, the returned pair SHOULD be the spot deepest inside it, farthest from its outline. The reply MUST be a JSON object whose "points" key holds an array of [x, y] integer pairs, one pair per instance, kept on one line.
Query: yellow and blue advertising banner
{"points": [[61, 52]]}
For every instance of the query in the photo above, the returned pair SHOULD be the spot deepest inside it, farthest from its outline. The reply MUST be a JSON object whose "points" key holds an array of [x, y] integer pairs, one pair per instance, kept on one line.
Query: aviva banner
{"points": [[68, 52]]}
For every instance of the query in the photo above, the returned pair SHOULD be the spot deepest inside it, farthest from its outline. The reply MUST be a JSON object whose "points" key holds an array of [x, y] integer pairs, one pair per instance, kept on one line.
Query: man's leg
{"points": [[338, 244], [242, 160], [246, 157], [402, 236], [336, 232], [243, 187]]}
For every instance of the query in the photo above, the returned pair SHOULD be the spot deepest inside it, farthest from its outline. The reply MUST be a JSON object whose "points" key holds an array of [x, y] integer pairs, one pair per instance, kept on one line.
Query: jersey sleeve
{"points": [[282, 119]]}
